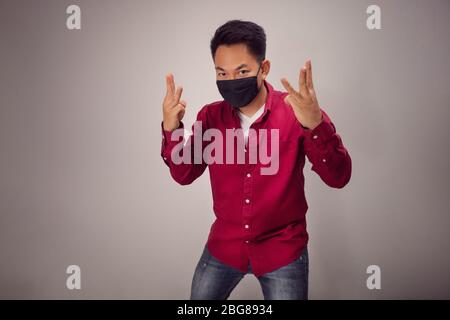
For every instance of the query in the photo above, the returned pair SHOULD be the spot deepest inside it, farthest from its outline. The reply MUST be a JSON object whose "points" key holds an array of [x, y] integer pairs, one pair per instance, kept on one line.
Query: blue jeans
{"points": [[214, 280]]}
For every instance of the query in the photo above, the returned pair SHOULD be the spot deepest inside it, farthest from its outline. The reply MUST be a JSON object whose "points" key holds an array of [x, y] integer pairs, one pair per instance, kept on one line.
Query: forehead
{"points": [[231, 56]]}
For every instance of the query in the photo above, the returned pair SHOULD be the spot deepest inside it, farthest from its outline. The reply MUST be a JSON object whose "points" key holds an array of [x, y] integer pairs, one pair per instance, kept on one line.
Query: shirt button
{"points": [[165, 158], [315, 136], [246, 241], [246, 226], [247, 200], [249, 175], [324, 160]]}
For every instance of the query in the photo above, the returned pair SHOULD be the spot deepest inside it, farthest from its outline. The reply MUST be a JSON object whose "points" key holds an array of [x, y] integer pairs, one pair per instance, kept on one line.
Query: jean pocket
{"points": [[303, 256], [205, 256]]}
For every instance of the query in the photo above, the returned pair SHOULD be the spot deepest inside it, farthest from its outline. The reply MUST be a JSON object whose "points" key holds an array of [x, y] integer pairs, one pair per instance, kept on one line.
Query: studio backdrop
{"points": [[83, 187]]}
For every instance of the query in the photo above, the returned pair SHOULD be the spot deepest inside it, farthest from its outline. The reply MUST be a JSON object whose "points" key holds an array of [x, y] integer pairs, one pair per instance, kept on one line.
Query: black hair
{"points": [[239, 31]]}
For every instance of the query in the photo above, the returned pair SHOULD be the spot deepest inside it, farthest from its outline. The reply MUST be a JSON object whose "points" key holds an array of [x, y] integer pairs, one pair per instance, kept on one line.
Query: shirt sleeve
{"points": [[325, 150], [178, 152]]}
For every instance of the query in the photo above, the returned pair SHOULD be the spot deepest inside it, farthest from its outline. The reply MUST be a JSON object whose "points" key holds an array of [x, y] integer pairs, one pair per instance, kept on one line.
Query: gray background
{"points": [[82, 181]]}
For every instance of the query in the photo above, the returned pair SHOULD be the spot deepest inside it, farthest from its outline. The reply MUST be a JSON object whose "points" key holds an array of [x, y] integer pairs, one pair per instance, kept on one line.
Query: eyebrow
{"points": [[239, 67]]}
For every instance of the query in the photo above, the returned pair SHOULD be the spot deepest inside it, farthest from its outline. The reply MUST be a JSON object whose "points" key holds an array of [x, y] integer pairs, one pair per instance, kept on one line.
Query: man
{"points": [[260, 224]]}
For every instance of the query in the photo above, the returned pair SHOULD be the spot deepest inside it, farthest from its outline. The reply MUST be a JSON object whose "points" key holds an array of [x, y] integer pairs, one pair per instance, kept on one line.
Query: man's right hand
{"points": [[173, 107]]}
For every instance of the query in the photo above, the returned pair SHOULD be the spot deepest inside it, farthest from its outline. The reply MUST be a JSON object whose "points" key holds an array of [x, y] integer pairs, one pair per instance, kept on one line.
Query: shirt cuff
{"points": [[167, 143], [322, 133]]}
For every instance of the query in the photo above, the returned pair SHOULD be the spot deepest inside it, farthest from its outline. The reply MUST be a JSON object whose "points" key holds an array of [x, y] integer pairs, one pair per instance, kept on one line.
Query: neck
{"points": [[250, 109]]}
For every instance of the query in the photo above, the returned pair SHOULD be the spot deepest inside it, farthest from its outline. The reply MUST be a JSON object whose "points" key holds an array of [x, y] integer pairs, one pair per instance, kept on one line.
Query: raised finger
{"points": [[178, 93], [302, 82], [309, 81], [170, 84], [288, 87]]}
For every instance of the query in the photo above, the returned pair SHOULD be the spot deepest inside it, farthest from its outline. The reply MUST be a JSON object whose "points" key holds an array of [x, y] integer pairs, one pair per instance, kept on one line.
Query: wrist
{"points": [[316, 123], [170, 127]]}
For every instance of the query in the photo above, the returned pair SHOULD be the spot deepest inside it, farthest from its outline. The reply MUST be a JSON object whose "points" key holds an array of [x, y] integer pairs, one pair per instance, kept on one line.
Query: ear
{"points": [[265, 68]]}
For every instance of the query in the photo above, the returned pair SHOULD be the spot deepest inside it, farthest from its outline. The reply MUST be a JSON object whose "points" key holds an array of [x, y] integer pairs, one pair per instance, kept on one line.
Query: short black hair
{"points": [[239, 31]]}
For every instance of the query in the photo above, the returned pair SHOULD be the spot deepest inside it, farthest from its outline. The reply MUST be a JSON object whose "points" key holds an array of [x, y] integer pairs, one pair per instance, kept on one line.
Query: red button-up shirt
{"points": [[261, 218]]}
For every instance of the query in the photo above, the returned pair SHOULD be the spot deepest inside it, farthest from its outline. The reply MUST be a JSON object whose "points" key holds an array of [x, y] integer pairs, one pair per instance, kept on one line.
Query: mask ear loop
{"points": [[257, 77]]}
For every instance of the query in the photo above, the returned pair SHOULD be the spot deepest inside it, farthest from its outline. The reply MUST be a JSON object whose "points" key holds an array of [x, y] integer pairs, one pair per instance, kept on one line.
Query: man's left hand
{"points": [[304, 101]]}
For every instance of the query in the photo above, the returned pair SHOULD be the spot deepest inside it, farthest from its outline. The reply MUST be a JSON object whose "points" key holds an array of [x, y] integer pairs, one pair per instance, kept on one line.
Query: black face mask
{"points": [[239, 92]]}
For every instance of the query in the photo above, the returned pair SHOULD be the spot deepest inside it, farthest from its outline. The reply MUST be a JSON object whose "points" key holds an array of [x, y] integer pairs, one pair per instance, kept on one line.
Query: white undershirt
{"points": [[247, 121]]}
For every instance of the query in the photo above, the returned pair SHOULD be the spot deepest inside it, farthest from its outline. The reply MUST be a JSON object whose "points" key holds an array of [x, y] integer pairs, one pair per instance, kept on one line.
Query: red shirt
{"points": [[261, 218]]}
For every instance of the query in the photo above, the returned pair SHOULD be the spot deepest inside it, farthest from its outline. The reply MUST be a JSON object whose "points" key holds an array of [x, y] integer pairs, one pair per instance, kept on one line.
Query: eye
{"points": [[221, 74], [242, 72]]}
